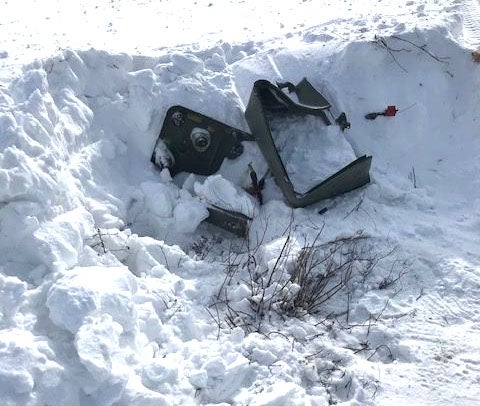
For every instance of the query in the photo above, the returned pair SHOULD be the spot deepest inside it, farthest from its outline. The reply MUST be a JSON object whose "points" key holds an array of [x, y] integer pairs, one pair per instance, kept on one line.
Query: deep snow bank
{"points": [[99, 309]]}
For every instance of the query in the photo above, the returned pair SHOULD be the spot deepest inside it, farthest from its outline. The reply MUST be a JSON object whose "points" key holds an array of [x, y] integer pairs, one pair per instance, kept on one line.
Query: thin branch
{"points": [[381, 41], [423, 48], [356, 207]]}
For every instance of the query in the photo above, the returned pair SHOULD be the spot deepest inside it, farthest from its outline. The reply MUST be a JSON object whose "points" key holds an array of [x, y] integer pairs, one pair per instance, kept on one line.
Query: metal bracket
{"points": [[196, 143], [236, 223]]}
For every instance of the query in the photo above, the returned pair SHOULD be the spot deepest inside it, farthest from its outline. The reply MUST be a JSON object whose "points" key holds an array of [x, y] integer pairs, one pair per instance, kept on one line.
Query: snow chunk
{"points": [[218, 191], [199, 379], [111, 390], [26, 370], [12, 293], [58, 242], [160, 373], [225, 380], [159, 198], [188, 215], [168, 208], [144, 78], [269, 253], [281, 393], [95, 342], [148, 321], [187, 64], [136, 394], [215, 368], [217, 62], [29, 82], [85, 291], [147, 253], [263, 357]]}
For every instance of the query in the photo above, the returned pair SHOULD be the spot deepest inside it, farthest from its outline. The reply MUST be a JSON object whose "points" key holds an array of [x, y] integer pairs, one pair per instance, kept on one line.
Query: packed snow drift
{"points": [[114, 291]]}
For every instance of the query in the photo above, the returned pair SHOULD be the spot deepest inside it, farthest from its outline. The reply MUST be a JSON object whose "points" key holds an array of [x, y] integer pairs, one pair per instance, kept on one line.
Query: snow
{"points": [[307, 143], [113, 291], [218, 191]]}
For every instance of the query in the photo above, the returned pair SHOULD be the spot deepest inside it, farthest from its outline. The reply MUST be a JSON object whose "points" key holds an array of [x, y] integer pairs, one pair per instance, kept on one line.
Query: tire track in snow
{"points": [[444, 353], [443, 338], [438, 344], [471, 23]]}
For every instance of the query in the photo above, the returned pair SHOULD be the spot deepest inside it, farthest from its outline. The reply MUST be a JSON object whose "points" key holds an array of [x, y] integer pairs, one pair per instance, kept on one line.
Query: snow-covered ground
{"points": [[113, 291]]}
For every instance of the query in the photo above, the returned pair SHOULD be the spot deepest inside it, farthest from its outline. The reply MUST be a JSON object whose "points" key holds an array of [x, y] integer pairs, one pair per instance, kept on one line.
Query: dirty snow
{"points": [[113, 291]]}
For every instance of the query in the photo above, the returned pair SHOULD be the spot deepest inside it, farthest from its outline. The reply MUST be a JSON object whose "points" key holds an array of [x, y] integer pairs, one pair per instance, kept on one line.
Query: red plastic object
{"points": [[391, 111]]}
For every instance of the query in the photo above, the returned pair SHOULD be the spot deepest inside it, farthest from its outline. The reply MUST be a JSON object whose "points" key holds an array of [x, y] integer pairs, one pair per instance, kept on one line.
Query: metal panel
{"points": [[197, 143], [268, 98]]}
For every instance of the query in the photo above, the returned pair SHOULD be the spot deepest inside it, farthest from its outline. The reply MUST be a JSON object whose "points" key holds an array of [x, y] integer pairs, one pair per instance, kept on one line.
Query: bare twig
{"points": [[420, 294], [215, 319], [423, 48], [101, 242], [355, 208], [381, 41], [413, 177]]}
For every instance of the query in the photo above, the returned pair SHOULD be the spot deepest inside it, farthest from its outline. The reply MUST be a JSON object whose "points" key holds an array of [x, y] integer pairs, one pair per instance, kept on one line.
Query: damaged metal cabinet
{"points": [[268, 98], [192, 142]]}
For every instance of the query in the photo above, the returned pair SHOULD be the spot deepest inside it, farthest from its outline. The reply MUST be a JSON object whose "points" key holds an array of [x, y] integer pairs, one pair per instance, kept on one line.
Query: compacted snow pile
{"points": [[114, 291]]}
